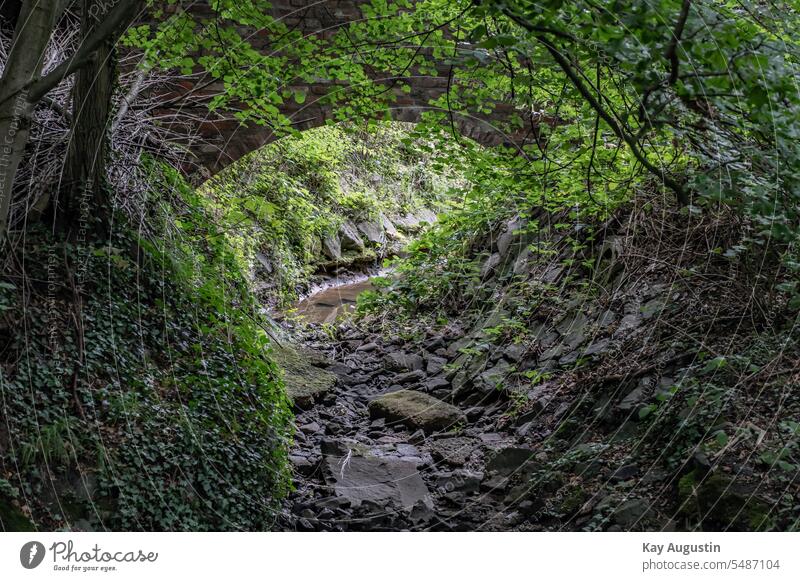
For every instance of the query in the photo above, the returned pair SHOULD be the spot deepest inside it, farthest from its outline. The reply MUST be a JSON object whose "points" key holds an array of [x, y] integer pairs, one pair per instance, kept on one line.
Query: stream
{"points": [[327, 304]]}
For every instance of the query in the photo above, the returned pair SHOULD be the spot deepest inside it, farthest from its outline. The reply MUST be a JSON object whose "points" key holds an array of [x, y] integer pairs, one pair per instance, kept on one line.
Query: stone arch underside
{"points": [[218, 140]]}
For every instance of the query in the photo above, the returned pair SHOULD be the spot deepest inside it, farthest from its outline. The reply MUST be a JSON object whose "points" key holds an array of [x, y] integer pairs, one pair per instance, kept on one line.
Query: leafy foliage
{"points": [[284, 199]]}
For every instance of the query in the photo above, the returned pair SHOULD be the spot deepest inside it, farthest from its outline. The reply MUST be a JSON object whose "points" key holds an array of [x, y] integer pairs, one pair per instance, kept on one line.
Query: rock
{"points": [[455, 451], [416, 410], [340, 369], [495, 483], [474, 413], [367, 347], [408, 450], [507, 461], [625, 472], [494, 378], [515, 352], [490, 265], [597, 347], [421, 512], [435, 364], [573, 329], [605, 319], [511, 237], [628, 324], [401, 361], [407, 223], [389, 228], [721, 503], [552, 273], [332, 247], [435, 343], [457, 481], [525, 429], [373, 232], [630, 512], [355, 379], [302, 465], [351, 240], [385, 481], [490, 437], [652, 308], [634, 398], [265, 262], [409, 377], [434, 383], [426, 215], [304, 382], [523, 261], [311, 428]]}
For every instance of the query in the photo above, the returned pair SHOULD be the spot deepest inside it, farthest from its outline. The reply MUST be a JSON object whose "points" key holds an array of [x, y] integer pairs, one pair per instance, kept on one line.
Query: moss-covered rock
{"points": [[417, 410], [305, 381]]}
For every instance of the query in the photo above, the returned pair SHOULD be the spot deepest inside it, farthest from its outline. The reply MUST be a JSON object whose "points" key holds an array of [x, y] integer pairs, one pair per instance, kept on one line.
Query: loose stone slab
{"points": [[416, 410], [385, 481]]}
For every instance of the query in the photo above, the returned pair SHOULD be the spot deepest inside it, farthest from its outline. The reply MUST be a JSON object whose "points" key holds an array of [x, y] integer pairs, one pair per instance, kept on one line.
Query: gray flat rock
{"points": [[385, 481]]}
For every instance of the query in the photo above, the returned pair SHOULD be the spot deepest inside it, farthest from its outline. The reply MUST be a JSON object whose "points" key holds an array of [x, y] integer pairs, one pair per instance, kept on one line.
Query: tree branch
{"points": [[565, 65], [110, 29]]}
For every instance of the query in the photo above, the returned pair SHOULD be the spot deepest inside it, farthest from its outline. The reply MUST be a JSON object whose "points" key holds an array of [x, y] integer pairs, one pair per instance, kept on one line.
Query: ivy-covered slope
{"points": [[331, 199], [139, 394]]}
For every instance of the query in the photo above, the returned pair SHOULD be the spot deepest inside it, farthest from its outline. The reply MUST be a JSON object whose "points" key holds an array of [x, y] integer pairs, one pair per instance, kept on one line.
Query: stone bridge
{"points": [[220, 140]]}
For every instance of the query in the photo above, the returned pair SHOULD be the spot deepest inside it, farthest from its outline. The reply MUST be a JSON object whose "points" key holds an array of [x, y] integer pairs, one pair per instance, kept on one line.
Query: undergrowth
{"points": [[139, 395]]}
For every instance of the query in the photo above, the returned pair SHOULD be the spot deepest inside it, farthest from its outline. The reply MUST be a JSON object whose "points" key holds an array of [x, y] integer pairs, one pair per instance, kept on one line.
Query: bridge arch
{"points": [[218, 140]]}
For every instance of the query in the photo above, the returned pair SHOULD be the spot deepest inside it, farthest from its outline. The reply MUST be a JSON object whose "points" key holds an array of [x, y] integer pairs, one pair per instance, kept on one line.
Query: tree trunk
{"points": [[83, 200], [34, 27]]}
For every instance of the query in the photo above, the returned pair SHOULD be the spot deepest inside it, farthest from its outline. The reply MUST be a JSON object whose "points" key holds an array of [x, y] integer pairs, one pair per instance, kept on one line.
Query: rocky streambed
{"points": [[378, 450]]}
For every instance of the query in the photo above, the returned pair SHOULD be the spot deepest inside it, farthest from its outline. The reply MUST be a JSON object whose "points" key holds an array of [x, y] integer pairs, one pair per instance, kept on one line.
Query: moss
{"points": [[305, 381], [12, 519], [574, 499], [714, 503]]}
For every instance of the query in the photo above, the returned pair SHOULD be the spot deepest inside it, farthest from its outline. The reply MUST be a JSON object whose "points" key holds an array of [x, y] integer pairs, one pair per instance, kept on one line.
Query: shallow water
{"points": [[328, 304]]}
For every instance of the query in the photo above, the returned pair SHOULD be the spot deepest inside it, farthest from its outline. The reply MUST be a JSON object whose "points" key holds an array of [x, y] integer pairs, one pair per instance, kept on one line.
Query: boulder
{"points": [[389, 228], [416, 410], [351, 239], [305, 382], [372, 231], [332, 247]]}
